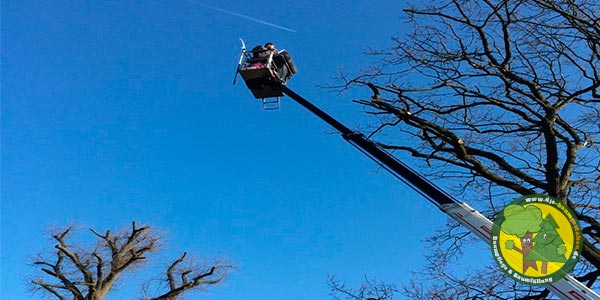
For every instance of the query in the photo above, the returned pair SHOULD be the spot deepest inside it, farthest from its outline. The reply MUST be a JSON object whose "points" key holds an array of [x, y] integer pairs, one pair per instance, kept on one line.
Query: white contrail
{"points": [[240, 15]]}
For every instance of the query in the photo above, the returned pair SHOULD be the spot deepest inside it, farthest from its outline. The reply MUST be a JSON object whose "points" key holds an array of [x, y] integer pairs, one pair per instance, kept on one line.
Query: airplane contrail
{"points": [[240, 15]]}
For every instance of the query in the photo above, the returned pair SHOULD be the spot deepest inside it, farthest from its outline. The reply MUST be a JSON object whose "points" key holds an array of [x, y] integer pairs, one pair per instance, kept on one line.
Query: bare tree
{"points": [[502, 97], [74, 272], [371, 289]]}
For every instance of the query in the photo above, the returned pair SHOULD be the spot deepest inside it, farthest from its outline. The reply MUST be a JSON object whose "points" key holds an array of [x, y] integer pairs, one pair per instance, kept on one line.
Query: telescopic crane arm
{"points": [[265, 82], [567, 288]]}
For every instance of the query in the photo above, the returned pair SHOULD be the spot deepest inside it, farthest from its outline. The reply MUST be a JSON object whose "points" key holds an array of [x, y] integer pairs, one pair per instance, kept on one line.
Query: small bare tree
{"points": [[500, 98], [371, 289], [74, 272]]}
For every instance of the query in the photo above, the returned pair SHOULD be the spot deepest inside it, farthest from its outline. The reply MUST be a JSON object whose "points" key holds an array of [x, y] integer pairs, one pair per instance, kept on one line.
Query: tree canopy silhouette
{"points": [[77, 273], [502, 98]]}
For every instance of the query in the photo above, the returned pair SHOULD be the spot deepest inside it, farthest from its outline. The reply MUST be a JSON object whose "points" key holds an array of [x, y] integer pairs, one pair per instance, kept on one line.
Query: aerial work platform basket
{"points": [[264, 72]]}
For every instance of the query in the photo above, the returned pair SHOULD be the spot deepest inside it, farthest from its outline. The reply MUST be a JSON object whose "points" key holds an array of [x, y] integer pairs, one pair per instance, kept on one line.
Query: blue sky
{"points": [[114, 111]]}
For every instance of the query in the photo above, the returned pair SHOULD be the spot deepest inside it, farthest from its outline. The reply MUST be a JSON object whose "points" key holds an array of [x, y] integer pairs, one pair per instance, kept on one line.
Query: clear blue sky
{"points": [[114, 111]]}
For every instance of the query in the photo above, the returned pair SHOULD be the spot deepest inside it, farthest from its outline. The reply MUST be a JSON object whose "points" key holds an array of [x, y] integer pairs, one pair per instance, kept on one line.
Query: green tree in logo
{"points": [[522, 222], [549, 246]]}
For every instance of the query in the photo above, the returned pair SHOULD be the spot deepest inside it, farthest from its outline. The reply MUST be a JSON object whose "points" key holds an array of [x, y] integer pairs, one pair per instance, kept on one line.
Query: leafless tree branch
{"points": [[503, 97], [80, 274]]}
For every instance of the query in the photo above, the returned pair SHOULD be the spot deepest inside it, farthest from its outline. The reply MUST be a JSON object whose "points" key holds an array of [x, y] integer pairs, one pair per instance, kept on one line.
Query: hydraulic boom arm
{"points": [[568, 288]]}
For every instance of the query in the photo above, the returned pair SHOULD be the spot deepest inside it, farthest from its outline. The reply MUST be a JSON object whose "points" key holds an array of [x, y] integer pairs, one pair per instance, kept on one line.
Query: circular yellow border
{"points": [[515, 259], [511, 261]]}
